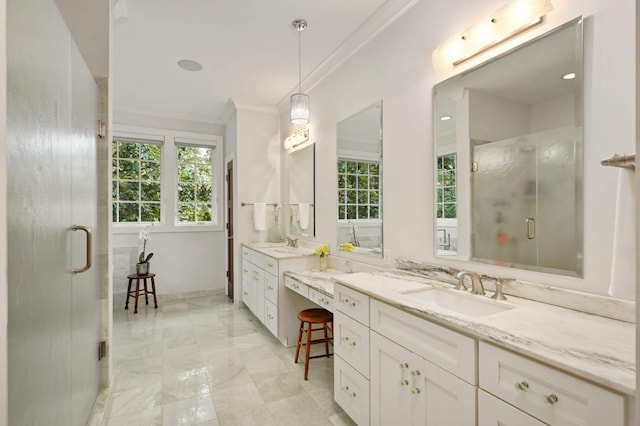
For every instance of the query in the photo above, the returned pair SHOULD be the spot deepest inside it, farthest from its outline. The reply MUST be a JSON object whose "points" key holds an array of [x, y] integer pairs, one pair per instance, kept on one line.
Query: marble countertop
{"points": [[316, 279], [280, 250], [599, 349]]}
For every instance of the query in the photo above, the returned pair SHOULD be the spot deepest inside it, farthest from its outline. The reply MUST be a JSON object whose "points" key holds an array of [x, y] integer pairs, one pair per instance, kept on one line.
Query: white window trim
{"points": [[364, 158], [168, 221]]}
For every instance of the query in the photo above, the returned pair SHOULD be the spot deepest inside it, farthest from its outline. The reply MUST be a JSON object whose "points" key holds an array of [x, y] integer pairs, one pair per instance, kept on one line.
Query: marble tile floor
{"points": [[199, 360]]}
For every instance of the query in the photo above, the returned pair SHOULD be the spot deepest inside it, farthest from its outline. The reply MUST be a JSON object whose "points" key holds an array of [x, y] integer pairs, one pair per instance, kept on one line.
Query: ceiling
{"points": [[248, 49]]}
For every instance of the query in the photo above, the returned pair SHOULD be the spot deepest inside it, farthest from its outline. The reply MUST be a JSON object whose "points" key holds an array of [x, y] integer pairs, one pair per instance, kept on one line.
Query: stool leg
{"points": [[326, 339], [307, 352], [146, 292], [153, 285], [135, 311], [126, 305], [299, 341]]}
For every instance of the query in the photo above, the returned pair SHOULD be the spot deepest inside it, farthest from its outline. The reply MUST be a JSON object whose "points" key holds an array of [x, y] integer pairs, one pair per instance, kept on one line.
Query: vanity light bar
{"points": [[504, 23]]}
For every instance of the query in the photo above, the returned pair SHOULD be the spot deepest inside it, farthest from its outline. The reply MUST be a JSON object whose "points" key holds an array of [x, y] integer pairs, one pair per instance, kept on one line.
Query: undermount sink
{"points": [[462, 303]]}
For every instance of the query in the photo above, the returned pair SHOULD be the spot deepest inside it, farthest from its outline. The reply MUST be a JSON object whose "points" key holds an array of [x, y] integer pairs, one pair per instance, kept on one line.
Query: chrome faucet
{"points": [[291, 242], [476, 282]]}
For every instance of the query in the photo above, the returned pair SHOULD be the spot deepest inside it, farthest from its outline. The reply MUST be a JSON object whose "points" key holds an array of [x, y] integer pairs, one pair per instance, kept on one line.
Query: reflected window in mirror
{"points": [[446, 202], [512, 130], [359, 191]]}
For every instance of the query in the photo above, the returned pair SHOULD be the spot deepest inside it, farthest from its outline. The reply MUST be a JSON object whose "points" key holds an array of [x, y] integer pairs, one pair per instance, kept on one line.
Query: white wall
{"points": [[257, 174], [396, 67], [184, 260]]}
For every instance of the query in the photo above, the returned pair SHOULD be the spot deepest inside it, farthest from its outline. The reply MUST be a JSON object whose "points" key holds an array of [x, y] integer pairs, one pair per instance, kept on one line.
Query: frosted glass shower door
{"points": [[524, 201], [503, 192], [51, 186]]}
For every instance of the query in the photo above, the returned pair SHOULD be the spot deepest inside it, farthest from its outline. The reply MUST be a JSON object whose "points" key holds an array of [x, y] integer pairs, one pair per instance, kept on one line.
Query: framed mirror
{"points": [[509, 158], [301, 214], [359, 157]]}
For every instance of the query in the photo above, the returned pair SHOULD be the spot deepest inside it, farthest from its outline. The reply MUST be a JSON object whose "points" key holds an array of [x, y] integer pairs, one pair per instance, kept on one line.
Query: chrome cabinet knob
{"points": [[550, 399], [522, 386]]}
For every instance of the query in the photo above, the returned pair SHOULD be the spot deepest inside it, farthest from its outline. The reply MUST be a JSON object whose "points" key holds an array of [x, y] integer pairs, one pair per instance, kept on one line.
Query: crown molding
{"points": [[197, 118], [381, 19]]}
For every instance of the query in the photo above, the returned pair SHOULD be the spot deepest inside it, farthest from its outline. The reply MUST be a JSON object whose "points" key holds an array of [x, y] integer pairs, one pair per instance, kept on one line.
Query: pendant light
{"points": [[299, 101]]}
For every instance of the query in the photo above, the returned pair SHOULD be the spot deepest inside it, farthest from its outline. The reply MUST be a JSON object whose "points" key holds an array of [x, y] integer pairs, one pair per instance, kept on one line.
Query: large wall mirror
{"points": [[360, 181], [301, 215], [509, 158]]}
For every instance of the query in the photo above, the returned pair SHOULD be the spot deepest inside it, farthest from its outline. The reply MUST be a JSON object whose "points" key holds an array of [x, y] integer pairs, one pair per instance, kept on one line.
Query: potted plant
{"points": [[142, 267]]}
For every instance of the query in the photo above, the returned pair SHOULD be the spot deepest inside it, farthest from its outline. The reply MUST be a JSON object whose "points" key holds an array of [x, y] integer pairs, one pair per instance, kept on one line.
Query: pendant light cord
{"points": [[299, 62]]}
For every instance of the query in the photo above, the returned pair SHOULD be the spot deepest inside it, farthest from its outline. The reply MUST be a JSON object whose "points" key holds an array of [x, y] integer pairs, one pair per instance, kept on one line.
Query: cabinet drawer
{"points": [[246, 270], [256, 258], [445, 348], [270, 265], [271, 287], [321, 299], [494, 412], [246, 253], [297, 286], [546, 393], [351, 391], [271, 317], [352, 303], [351, 342]]}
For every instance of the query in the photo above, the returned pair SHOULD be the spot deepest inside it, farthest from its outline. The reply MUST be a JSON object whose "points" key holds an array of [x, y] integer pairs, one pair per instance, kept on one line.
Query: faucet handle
{"points": [[498, 295], [460, 286]]}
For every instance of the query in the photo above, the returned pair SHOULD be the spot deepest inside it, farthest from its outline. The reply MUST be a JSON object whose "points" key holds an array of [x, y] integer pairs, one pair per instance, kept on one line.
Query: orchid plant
{"points": [[145, 236]]}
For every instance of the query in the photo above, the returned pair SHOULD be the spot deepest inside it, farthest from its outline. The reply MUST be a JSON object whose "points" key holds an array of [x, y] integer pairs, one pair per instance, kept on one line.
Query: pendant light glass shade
{"points": [[299, 109]]}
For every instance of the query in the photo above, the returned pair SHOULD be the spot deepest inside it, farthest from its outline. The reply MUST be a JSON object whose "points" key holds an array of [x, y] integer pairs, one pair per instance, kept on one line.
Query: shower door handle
{"points": [[87, 232], [531, 228]]}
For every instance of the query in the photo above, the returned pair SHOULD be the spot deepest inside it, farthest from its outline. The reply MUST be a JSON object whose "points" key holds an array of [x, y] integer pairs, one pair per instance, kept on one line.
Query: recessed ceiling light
{"points": [[445, 118], [569, 76], [189, 65]]}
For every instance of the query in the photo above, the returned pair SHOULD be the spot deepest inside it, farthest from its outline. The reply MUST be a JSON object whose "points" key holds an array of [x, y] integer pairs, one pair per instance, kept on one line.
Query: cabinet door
{"points": [[351, 391], [494, 412], [448, 400], [395, 398]]}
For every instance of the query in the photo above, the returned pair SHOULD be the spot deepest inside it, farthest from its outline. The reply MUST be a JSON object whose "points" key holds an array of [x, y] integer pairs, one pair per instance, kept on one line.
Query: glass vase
{"points": [[323, 263]]}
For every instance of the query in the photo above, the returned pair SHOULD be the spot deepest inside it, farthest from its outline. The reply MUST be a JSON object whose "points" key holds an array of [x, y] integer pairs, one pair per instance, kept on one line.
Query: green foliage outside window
{"points": [[195, 183], [358, 190], [446, 186], [136, 182]]}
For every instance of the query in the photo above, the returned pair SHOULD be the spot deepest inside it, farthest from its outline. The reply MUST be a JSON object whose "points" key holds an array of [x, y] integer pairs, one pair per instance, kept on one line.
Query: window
{"points": [[446, 187], [195, 184], [358, 189], [136, 181]]}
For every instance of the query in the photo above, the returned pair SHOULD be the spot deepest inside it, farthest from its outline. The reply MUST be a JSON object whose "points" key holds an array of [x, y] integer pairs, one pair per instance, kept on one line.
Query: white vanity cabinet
{"points": [[264, 294], [545, 393], [495, 412], [406, 370], [406, 384], [351, 353]]}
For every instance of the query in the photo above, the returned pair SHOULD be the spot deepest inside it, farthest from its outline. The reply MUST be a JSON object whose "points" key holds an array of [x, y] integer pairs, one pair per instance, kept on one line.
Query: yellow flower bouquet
{"points": [[322, 251]]}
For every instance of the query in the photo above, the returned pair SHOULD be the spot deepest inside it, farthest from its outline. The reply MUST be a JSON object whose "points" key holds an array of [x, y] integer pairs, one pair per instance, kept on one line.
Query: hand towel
{"points": [[303, 211], [623, 277], [259, 218]]}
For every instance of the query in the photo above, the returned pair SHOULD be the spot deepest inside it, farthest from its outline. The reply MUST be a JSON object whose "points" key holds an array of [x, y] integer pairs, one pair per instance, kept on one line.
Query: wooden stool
{"points": [[137, 292], [310, 317]]}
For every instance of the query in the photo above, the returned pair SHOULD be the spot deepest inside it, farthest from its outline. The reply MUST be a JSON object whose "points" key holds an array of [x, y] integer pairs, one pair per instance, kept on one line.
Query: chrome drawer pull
{"points": [[551, 399], [415, 391], [522, 386]]}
